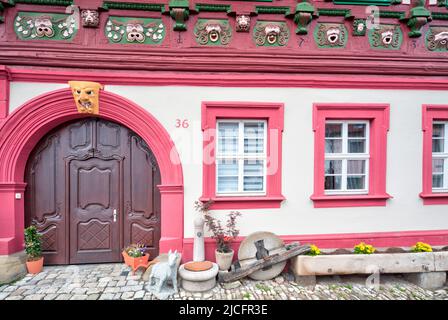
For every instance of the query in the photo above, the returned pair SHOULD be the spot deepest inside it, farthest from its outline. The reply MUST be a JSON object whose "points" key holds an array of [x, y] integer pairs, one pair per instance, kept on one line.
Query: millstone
{"points": [[248, 251]]}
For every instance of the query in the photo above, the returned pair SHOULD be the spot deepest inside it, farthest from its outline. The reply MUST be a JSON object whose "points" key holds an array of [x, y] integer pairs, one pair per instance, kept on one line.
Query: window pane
{"points": [[227, 167], [333, 145], [438, 130], [333, 130], [438, 145], [355, 182], [254, 137], [253, 167], [253, 183], [356, 166], [227, 184], [356, 145], [228, 137], [356, 130], [437, 165], [333, 166], [333, 182], [437, 180]]}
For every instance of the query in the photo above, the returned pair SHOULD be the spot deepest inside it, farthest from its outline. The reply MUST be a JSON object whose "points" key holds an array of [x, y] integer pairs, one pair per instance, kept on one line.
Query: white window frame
{"points": [[240, 156], [345, 156], [441, 155]]}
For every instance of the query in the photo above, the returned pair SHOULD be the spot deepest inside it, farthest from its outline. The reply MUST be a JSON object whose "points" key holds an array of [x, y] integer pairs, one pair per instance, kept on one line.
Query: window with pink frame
{"points": [[350, 155], [242, 144], [435, 154]]}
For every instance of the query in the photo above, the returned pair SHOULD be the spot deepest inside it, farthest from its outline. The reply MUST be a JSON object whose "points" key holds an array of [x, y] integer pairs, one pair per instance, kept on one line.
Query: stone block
{"points": [[363, 263], [12, 267], [428, 280]]}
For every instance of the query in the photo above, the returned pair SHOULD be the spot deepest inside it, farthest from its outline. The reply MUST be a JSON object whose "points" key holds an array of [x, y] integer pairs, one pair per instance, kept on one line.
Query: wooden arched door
{"points": [[91, 191]]}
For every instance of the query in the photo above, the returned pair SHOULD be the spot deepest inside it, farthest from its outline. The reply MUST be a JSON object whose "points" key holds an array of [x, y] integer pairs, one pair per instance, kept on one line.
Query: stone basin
{"points": [[198, 281]]}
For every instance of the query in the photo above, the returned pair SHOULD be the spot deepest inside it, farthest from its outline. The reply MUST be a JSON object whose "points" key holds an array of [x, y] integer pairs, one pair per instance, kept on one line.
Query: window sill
{"points": [[434, 198], [327, 201], [244, 202]]}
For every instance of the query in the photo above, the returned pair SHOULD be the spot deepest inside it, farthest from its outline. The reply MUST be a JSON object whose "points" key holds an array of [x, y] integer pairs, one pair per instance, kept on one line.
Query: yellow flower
{"points": [[363, 248], [314, 250], [421, 247]]}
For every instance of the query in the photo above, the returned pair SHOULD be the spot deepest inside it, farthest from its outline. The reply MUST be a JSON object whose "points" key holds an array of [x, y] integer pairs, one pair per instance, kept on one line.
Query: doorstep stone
{"points": [[12, 267], [428, 280]]}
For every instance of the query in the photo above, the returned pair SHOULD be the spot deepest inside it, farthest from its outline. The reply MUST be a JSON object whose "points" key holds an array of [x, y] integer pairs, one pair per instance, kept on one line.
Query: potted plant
{"points": [[222, 235], [33, 249], [135, 256]]}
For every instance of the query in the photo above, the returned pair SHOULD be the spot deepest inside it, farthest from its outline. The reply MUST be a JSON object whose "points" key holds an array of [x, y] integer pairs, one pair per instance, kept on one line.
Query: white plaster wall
{"points": [[21, 92], [297, 214]]}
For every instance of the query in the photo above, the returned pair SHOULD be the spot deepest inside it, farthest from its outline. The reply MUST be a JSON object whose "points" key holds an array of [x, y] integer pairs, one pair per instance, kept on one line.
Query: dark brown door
{"points": [[92, 190], [94, 205]]}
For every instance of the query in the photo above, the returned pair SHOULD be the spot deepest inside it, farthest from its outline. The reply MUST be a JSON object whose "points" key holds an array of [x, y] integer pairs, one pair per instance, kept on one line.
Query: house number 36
{"points": [[182, 123]]}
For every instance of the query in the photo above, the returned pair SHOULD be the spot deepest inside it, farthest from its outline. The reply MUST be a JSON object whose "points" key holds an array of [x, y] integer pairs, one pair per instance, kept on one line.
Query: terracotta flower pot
{"points": [[135, 263], [35, 266], [224, 259]]}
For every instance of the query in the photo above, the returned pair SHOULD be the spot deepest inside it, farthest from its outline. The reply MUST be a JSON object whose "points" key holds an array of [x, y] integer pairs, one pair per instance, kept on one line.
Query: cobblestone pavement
{"points": [[114, 281]]}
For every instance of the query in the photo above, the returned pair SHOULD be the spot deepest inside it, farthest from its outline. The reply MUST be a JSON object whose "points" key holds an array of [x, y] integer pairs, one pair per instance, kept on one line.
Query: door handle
{"points": [[115, 215]]}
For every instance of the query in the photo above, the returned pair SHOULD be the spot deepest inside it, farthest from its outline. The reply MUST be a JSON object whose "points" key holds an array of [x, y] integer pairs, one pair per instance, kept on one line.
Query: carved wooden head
{"points": [[86, 95], [90, 18], [44, 27]]}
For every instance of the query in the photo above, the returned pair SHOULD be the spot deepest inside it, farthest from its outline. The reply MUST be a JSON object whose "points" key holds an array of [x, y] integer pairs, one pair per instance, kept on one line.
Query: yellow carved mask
{"points": [[86, 96]]}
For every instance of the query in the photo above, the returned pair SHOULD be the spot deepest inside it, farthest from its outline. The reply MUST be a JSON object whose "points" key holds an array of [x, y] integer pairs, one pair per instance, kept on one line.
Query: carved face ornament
{"points": [[90, 18], [243, 22], [387, 37], [44, 27], [272, 32], [213, 31], [135, 32], [441, 38], [86, 95], [333, 35]]}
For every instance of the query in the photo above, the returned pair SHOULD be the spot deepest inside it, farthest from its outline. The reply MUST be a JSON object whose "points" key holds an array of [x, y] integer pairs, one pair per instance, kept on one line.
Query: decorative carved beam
{"points": [[272, 10], [418, 17], [400, 15], [207, 7], [346, 13], [368, 2], [305, 12], [64, 3], [179, 11], [439, 16], [108, 5]]}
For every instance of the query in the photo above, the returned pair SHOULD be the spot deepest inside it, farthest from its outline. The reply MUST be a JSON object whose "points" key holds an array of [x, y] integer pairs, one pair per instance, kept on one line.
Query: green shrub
{"points": [[33, 244]]}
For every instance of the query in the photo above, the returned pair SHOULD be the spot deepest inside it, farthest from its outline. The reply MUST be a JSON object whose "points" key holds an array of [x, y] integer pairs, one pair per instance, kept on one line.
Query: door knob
{"points": [[115, 215]]}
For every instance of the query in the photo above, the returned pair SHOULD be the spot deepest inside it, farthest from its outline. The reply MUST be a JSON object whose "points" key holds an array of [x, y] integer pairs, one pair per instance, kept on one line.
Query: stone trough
{"points": [[426, 269]]}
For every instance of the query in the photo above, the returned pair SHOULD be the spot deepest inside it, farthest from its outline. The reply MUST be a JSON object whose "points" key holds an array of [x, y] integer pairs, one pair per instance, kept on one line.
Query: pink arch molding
{"points": [[21, 131]]}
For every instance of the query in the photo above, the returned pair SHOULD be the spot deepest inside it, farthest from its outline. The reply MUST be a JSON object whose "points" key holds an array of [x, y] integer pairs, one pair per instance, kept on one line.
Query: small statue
{"points": [[161, 274]]}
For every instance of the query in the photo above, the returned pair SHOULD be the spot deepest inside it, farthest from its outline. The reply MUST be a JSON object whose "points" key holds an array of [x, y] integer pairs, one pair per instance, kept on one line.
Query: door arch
{"points": [[91, 191], [24, 128]]}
